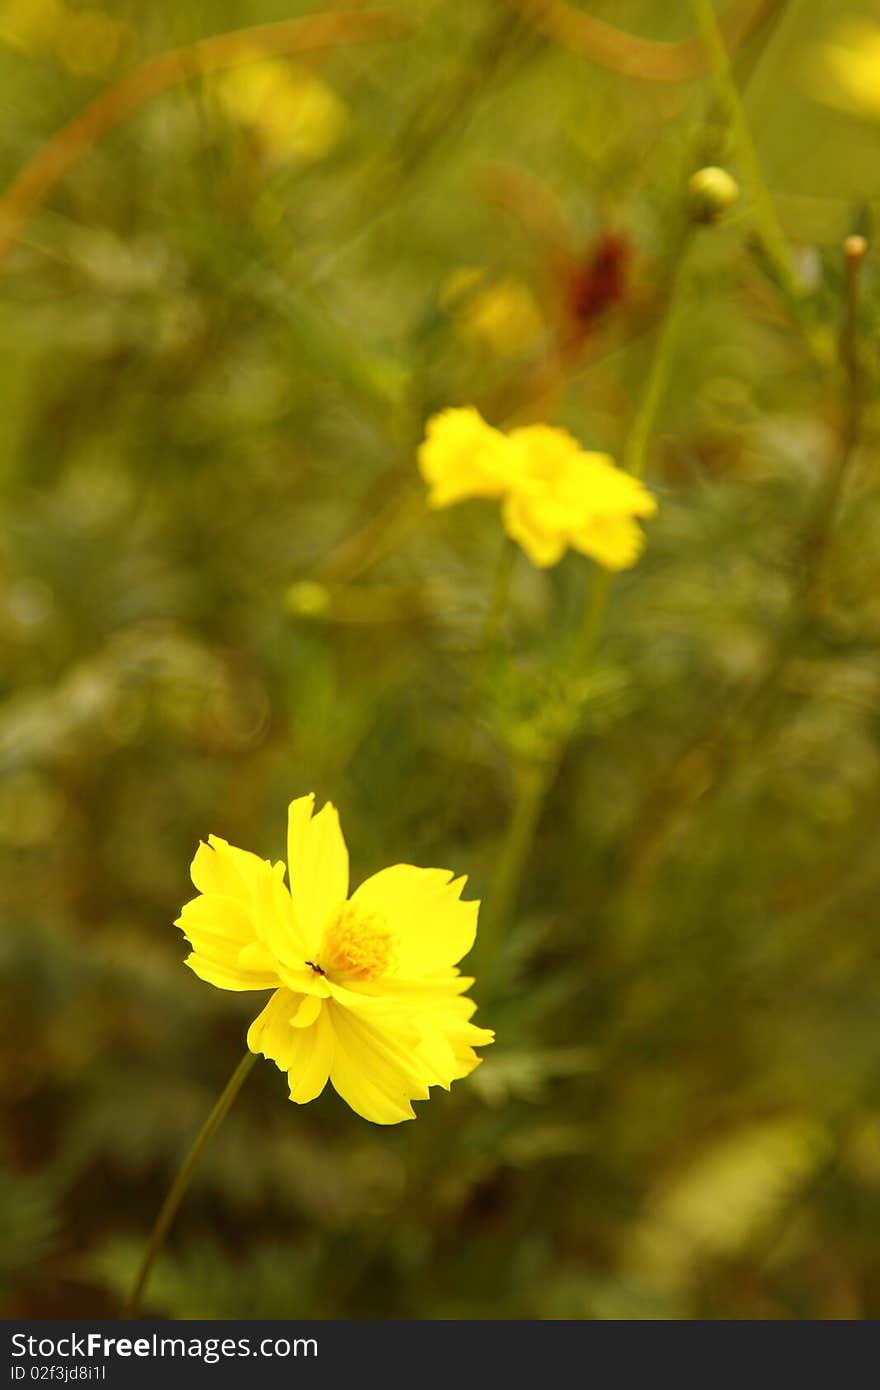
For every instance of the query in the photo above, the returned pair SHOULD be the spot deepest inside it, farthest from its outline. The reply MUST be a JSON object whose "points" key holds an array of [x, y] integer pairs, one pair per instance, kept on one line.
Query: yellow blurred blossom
{"points": [[462, 456], [502, 316], [29, 24], [567, 497], [87, 41], [366, 989], [845, 72], [293, 116], [554, 494]]}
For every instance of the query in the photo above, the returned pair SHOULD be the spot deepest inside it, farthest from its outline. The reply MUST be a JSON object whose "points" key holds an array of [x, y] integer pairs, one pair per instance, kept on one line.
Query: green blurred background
{"points": [[220, 337]]}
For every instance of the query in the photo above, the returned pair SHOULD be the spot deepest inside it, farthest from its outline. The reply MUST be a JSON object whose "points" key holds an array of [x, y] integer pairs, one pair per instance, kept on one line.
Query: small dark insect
{"points": [[317, 969]]}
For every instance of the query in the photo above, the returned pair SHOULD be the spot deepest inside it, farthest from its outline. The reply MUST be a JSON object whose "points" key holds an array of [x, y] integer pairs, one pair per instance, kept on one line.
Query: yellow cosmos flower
{"points": [[846, 72], [366, 993], [554, 494]]}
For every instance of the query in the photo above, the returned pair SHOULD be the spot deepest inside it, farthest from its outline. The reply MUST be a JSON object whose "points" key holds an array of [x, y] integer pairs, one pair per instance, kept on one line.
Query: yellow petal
{"points": [[310, 1067], [374, 1068], [462, 456], [432, 927], [447, 1038], [304, 1052], [318, 866], [219, 867], [226, 925], [271, 1033], [613, 541], [278, 925], [255, 956], [544, 547], [307, 1012]]}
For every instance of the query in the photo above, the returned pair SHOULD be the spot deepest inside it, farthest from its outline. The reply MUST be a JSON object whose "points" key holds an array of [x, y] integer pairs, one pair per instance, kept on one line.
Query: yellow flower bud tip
{"points": [[307, 599], [712, 191], [855, 248]]}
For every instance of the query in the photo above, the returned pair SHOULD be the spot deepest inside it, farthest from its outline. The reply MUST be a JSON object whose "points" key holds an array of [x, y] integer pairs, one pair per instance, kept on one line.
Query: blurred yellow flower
{"points": [[87, 41], [29, 24], [565, 497], [461, 456], [293, 115], [366, 990], [502, 316], [845, 72], [554, 494]]}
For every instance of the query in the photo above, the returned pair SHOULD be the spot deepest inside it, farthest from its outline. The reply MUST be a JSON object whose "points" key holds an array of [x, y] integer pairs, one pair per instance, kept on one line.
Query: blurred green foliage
{"points": [[221, 588]]}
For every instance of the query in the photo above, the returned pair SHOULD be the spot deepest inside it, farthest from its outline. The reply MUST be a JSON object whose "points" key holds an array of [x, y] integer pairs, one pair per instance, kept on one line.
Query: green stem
{"points": [[635, 449], [746, 722], [635, 456], [592, 619], [178, 1188], [535, 777], [497, 605], [488, 640], [767, 223], [821, 524], [533, 781]]}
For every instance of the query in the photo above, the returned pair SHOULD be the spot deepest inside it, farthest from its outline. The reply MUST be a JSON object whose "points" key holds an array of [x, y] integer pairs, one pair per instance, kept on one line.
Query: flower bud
{"points": [[855, 248], [712, 191], [307, 599]]}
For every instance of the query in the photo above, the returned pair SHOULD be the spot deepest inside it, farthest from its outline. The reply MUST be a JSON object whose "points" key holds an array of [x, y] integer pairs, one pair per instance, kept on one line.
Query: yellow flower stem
{"points": [[178, 1188], [767, 224]]}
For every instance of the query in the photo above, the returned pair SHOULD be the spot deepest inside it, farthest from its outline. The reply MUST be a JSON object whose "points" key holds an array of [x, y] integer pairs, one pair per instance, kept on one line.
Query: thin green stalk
{"points": [[532, 783], [534, 777], [635, 449], [767, 223], [497, 604], [592, 619], [635, 455], [708, 761], [172, 1202], [491, 631], [820, 526]]}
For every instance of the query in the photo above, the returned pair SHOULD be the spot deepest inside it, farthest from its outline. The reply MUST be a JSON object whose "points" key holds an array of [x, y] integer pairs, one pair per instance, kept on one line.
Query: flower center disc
{"points": [[358, 945]]}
